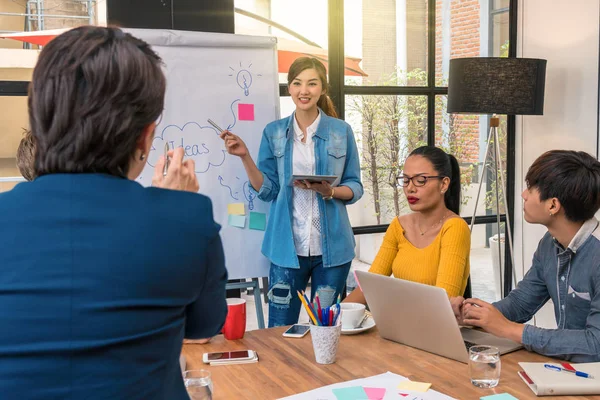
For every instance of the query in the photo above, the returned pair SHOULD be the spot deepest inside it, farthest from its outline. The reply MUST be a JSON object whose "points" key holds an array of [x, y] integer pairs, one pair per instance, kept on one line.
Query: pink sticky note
{"points": [[374, 393], [246, 112]]}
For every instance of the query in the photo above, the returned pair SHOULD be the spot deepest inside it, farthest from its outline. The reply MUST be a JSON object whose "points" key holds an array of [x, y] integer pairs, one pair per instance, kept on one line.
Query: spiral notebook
{"points": [[546, 382]]}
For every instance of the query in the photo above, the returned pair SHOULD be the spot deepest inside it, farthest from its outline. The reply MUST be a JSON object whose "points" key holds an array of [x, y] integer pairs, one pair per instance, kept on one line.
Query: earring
{"points": [[142, 157], [443, 191], [551, 214]]}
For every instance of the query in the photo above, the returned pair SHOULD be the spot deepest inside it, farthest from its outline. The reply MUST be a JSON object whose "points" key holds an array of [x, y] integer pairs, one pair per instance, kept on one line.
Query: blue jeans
{"points": [[284, 304]]}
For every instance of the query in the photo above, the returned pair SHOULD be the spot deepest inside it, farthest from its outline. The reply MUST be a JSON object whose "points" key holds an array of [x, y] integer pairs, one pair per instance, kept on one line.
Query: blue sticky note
{"points": [[258, 221], [501, 396], [239, 221], [350, 393]]}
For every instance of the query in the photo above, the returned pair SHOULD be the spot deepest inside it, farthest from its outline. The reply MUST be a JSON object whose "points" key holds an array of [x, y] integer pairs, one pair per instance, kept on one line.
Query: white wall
{"points": [[566, 33]]}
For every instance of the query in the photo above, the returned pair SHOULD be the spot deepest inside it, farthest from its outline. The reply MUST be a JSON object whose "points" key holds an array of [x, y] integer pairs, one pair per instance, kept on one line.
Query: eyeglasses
{"points": [[417, 180]]}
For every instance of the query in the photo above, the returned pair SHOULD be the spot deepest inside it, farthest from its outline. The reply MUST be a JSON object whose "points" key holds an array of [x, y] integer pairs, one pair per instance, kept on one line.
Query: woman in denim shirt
{"points": [[308, 234]]}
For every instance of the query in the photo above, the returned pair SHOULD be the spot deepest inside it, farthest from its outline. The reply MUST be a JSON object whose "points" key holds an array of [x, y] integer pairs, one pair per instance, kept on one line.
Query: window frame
{"points": [[338, 91]]}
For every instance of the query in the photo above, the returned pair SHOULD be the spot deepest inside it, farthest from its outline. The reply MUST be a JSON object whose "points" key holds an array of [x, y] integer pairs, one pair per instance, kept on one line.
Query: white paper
{"points": [[212, 75], [389, 381]]}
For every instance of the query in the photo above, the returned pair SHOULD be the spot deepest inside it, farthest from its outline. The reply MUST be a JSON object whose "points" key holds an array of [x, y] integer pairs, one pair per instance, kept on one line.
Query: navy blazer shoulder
{"points": [[100, 280]]}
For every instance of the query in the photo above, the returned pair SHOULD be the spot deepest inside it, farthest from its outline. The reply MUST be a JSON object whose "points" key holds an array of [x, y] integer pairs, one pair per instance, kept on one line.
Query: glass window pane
{"points": [[501, 4], [387, 129], [385, 42], [307, 22], [465, 137], [465, 29], [486, 280], [500, 35], [486, 275]]}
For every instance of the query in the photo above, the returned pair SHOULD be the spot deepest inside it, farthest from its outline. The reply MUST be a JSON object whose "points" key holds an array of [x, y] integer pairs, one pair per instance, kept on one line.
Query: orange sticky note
{"points": [[414, 386]]}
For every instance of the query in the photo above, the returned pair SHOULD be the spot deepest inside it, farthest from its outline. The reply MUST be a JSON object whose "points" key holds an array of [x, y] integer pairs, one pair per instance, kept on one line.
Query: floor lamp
{"points": [[488, 85]]}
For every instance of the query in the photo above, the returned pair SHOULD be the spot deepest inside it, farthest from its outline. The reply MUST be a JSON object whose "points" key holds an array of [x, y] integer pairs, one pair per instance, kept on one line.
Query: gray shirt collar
{"points": [[586, 230]]}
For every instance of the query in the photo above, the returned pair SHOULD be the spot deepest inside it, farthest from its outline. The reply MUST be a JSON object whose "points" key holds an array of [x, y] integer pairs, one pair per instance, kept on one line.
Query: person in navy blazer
{"points": [[101, 278]]}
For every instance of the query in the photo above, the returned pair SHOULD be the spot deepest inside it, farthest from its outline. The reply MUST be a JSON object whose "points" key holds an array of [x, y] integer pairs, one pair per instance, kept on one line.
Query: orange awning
{"points": [[288, 50]]}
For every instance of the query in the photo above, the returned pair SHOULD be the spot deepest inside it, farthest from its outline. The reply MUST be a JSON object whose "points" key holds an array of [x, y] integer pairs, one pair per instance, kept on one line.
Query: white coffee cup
{"points": [[352, 314]]}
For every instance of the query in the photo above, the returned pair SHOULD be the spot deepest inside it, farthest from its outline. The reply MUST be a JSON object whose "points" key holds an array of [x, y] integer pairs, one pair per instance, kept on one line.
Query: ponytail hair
{"points": [[445, 165], [304, 63], [327, 106]]}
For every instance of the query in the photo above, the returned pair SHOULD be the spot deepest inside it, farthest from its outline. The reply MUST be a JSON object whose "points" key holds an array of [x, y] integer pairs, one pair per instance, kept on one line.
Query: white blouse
{"points": [[306, 221]]}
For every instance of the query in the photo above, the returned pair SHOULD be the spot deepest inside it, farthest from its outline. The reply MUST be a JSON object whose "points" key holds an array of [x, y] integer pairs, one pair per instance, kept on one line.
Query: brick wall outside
{"points": [[464, 42], [63, 7]]}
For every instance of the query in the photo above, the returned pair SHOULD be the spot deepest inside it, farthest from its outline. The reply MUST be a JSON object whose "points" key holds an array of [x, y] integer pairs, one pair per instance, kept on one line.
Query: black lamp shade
{"points": [[490, 85]]}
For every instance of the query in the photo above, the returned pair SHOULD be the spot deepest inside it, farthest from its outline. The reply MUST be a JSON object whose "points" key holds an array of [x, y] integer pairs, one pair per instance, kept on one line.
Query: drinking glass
{"points": [[484, 366], [198, 384]]}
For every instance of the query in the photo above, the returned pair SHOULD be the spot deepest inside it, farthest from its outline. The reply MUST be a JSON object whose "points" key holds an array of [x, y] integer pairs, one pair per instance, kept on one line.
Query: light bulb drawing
{"points": [[244, 77], [244, 80]]}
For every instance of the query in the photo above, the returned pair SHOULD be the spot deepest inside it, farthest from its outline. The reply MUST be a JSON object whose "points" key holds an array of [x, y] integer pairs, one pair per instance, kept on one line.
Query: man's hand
{"points": [[484, 315], [457, 308]]}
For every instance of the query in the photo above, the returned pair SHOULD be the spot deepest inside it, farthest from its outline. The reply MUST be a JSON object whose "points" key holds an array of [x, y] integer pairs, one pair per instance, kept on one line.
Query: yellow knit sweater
{"points": [[444, 263]]}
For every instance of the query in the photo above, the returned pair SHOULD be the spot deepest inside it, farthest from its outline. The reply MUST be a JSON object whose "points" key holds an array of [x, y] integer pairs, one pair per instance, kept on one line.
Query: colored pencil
{"points": [[312, 317], [357, 282], [311, 308], [318, 301]]}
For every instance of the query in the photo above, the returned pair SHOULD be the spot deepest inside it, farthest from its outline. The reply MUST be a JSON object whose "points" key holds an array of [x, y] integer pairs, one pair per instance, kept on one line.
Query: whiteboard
{"points": [[233, 80]]}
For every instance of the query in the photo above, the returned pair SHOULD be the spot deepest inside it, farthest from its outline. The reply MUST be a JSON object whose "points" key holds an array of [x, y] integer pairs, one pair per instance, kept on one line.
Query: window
{"points": [[300, 28], [390, 85], [405, 48]]}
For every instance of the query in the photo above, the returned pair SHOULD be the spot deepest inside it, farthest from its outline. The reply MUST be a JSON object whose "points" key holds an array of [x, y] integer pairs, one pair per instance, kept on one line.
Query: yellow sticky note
{"points": [[236, 209], [414, 386]]}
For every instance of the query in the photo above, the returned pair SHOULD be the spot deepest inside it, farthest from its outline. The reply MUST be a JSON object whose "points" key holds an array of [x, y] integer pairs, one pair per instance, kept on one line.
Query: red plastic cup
{"points": [[235, 323]]}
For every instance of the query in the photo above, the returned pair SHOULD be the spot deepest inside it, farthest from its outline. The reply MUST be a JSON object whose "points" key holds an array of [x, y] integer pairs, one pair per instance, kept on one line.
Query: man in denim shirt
{"points": [[563, 194]]}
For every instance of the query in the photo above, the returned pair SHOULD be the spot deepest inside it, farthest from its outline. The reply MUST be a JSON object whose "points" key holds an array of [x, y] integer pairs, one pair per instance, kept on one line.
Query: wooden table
{"points": [[287, 366]]}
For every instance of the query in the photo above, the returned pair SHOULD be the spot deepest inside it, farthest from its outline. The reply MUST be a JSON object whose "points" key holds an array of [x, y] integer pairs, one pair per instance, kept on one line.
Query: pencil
{"points": [[312, 308], [357, 282], [318, 301], [312, 317]]}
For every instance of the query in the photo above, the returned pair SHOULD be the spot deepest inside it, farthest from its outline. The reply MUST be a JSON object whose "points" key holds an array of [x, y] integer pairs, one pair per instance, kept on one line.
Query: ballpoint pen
{"points": [[561, 369], [166, 159]]}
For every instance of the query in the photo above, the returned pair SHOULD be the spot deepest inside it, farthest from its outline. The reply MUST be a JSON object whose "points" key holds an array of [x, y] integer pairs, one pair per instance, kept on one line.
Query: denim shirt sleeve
{"points": [[351, 175], [267, 164], [578, 345], [530, 295]]}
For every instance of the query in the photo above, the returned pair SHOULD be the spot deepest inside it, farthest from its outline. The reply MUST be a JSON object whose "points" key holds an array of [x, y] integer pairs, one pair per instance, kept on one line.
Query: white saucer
{"points": [[368, 324]]}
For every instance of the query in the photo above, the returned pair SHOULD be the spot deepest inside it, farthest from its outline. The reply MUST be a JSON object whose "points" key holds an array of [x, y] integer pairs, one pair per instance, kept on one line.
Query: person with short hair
{"points": [[563, 194], [102, 278], [26, 155]]}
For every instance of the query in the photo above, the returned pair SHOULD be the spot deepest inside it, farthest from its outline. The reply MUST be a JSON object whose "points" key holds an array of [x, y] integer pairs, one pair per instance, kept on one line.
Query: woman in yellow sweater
{"points": [[432, 244]]}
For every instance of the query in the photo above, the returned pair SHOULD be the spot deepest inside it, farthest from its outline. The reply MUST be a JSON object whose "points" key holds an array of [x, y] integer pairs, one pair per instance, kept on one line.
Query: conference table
{"points": [[287, 366]]}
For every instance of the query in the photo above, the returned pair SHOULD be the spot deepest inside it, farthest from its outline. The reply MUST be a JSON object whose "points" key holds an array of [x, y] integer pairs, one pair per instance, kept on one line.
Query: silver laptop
{"points": [[421, 316]]}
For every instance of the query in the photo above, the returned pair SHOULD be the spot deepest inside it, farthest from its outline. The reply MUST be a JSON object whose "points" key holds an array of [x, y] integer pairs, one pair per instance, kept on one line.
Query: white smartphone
{"points": [[297, 331], [239, 355]]}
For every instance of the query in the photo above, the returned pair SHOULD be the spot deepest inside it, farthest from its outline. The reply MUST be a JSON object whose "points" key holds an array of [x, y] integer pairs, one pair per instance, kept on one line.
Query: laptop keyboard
{"points": [[468, 344]]}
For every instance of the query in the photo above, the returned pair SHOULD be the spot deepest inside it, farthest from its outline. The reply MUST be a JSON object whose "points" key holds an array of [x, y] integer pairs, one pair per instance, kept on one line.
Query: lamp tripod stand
{"points": [[499, 175]]}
